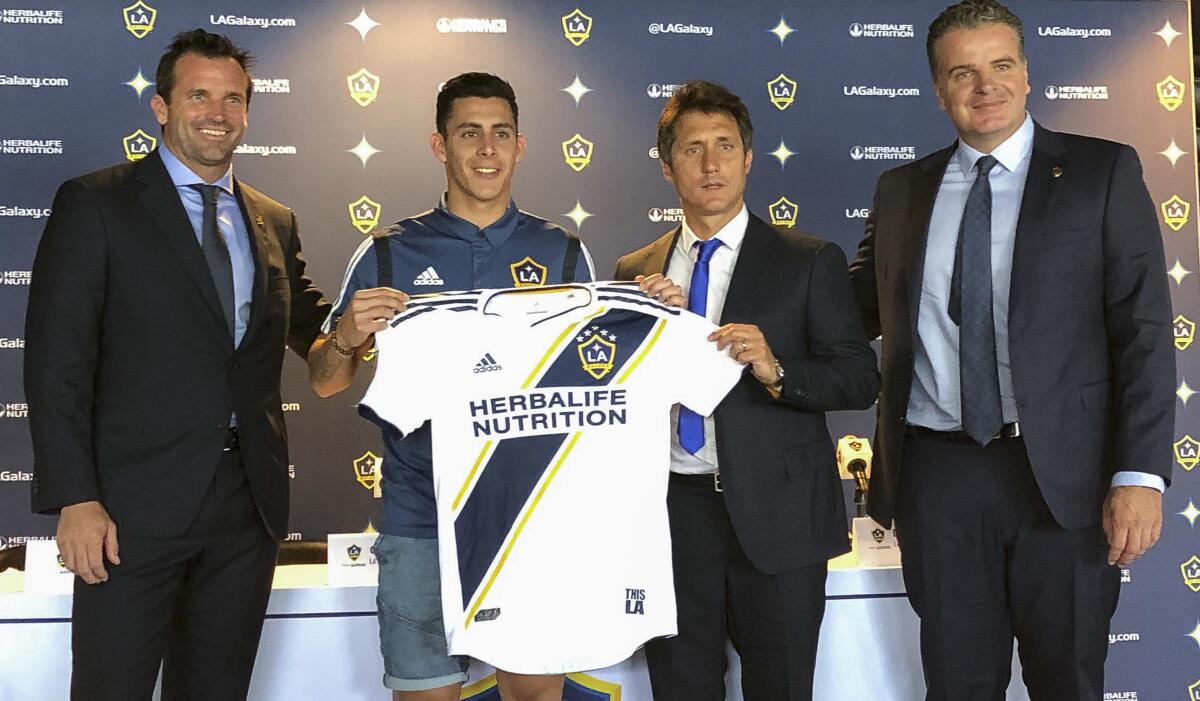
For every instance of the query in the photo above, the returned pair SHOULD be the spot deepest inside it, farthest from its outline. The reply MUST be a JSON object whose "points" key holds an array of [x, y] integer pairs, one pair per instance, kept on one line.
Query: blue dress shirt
{"points": [[934, 401], [233, 229]]}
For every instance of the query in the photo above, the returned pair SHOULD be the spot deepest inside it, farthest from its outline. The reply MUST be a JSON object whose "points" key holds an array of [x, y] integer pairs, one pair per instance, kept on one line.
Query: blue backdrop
{"points": [[339, 125]]}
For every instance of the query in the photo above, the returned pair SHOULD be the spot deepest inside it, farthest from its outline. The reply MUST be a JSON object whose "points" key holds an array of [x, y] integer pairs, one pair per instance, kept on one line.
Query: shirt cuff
{"points": [[1130, 478]]}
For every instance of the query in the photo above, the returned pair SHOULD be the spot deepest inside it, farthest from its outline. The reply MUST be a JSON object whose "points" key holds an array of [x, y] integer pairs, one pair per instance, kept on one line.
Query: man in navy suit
{"points": [[1026, 414]]}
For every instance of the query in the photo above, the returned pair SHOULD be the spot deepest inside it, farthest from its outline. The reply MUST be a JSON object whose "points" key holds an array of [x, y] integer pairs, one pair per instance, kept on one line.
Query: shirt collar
{"points": [[182, 176], [496, 233], [1009, 154], [731, 234]]}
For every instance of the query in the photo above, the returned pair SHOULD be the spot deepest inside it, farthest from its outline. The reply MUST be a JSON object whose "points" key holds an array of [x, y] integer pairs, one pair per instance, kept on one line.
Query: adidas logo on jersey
{"points": [[429, 276], [487, 364]]}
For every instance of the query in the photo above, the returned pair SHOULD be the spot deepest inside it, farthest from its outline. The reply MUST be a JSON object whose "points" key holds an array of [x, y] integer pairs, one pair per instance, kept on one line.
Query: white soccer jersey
{"points": [[550, 412]]}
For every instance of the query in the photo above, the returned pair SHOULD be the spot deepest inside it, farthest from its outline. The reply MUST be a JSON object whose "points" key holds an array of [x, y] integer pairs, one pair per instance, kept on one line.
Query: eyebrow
{"points": [[969, 66], [478, 125]]}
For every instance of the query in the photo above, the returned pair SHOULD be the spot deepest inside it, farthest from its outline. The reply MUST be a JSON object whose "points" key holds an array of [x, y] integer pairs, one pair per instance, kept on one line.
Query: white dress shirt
{"points": [[720, 273]]}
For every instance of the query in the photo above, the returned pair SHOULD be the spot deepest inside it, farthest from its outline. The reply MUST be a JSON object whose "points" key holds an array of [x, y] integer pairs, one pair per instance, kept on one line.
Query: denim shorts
{"points": [[411, 635]]}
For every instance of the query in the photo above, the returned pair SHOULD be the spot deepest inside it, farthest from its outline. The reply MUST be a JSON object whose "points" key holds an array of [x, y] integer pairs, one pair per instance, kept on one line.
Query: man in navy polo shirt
{"points": [[475, 238]]}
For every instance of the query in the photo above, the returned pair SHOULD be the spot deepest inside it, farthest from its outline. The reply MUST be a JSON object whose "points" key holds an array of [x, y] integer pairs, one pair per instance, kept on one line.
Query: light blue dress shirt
{"points": [[934, 401], [231, 224]]}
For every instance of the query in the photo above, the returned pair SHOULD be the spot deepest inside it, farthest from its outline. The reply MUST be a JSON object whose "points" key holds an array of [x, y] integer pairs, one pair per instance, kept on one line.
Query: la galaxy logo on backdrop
{"points": [[138, 145], [783, 212], [139, 19], [577, 152], [1184, 331], [577, 27], [782, 91], [364, 214], [364, 86]]}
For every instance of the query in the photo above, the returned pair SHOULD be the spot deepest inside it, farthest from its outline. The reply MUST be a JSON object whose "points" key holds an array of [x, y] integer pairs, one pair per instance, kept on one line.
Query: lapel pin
{"points": [[258, 218], [1056, 172]]}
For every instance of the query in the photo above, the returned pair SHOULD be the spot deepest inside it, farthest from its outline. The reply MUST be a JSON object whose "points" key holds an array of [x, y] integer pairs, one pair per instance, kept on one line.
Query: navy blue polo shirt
{"points": [[439, 252]]}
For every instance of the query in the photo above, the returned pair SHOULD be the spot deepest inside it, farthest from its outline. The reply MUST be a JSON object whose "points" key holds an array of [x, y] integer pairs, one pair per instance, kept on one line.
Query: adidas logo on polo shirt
{"points": [[487, 364], [429, 276]]}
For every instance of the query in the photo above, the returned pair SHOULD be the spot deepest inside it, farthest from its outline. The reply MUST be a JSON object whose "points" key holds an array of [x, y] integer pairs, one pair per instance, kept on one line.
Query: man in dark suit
{"points": [[1025, 421], [750, 542], [163, 294]]}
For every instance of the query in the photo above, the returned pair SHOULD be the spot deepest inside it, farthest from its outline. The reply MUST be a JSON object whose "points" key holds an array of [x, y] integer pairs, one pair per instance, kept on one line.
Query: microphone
{"points": [[854, 456]]}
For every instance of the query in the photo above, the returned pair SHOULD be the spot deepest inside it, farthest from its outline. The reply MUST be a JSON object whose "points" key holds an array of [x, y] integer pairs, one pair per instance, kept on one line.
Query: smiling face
{"points": [[480, 149], [708, 169], [981, 82], [206, 117]]}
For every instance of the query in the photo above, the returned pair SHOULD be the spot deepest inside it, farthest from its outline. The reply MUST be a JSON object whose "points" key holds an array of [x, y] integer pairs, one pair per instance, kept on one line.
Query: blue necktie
{"points": [[971, 308], [691, 424]]}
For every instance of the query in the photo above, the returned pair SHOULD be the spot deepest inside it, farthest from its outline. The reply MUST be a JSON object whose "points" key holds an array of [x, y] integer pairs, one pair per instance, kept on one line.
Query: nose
{"points": [[708, 162], [487, 145]]}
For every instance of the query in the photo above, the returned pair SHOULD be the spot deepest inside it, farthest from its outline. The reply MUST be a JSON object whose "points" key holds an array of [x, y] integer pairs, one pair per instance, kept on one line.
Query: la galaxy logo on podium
{"points": [[577, 27], [527, 272], [783, 212], [138, 145], [1187, 452], [597, 350], [1184, 331], [782, 91], [364, 214], [1170, 93], [139, 18], [577, 151], [364, 86], [1191, 573], [366, 470], [577, 687], [1175, 212], [353, 552]]}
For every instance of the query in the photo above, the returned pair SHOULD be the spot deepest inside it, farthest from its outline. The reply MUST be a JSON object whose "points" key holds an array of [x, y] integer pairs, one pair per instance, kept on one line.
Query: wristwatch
{"points": [[777, 384]]}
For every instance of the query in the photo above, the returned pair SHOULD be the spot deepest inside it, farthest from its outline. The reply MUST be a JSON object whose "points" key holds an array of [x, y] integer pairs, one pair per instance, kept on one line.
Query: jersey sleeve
{"points": [[406, 374], [361, 274], [701, 374]]}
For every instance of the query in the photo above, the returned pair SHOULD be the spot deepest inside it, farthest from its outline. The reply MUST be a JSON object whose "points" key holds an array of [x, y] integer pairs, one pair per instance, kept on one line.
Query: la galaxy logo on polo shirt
{"points": [[596, 351], [527, 272]]}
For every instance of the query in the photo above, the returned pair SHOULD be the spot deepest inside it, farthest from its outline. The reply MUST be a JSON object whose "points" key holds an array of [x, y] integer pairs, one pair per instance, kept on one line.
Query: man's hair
{"points": [[970, 14], [708, 98], [205, 44], [472, 85]]}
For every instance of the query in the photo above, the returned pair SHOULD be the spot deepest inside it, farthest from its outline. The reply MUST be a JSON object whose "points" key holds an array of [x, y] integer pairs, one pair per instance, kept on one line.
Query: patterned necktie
{"points": [[216, 254], [691, 424], [971, 308]]}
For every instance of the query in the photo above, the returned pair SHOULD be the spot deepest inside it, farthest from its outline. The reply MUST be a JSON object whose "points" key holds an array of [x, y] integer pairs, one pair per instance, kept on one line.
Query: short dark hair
{"points": [[472, 85], [206, 44], [701, 96], [970, 14]]}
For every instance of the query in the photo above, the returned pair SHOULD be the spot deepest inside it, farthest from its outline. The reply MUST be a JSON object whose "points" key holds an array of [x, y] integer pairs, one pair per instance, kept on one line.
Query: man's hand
{"points": [[663, 289], [748, 345], [86, 535], [369, 311], [1132, 521]]}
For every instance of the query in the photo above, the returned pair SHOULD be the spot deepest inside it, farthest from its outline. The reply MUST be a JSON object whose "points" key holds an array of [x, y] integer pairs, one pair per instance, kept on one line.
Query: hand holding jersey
{"points": [[548, 407]]}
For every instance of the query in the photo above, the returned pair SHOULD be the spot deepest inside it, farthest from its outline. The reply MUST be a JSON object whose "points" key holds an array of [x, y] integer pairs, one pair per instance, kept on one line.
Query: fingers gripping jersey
{"points": [[550, 417]]}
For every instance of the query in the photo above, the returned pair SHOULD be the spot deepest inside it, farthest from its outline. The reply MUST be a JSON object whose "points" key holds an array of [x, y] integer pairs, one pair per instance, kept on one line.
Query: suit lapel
{"points": [[161, 200], [1037, 202], [256, 230], [660, 255], [753, 261], [923, 189]]}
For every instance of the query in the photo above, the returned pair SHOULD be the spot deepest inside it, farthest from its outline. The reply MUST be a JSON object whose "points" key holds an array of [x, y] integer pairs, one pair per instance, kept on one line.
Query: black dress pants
{"points": [[984, 562], [193, 603], [772, 620]]}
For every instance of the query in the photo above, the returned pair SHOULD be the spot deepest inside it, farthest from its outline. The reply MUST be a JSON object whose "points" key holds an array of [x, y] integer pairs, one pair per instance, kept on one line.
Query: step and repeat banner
{"points": [[344, 104]]}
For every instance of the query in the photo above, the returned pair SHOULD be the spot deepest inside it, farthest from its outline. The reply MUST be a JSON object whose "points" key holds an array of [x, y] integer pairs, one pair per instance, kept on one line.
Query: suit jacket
{"points": [[778, 471], [1093, 367], [130, 373]]}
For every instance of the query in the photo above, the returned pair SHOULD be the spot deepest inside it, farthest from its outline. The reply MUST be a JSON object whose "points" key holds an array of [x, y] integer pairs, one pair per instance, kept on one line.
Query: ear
{"points": [[748, 160], [941, 97], [161, 109], [437, 144], [520, 146], [666, 170]]}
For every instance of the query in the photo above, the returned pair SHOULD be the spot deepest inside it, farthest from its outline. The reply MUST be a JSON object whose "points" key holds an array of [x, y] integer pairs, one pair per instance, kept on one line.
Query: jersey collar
{"points": [[496, 233]]}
